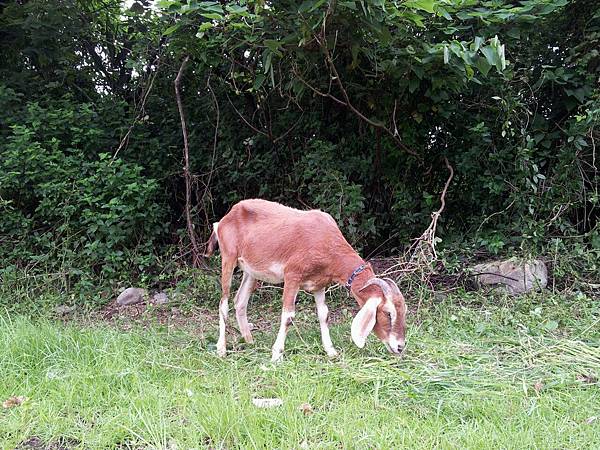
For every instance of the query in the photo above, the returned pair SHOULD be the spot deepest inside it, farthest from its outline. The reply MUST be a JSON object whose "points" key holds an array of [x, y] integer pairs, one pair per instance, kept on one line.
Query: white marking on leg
{"points": [[224, 308], [223, 311], [323, 313], [278, 347], [241, 304]]}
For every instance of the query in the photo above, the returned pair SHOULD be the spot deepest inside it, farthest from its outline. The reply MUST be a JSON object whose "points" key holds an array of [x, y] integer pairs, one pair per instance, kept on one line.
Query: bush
{"points": [[68, 205]]}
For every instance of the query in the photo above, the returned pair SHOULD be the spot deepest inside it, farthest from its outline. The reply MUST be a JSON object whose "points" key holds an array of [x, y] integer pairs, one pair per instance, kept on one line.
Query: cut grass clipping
{"points": [[473, 376]]}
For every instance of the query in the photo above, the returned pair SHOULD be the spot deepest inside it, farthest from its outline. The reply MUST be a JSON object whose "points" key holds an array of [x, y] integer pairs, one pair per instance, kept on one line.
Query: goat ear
{"points": [[364, 321]]}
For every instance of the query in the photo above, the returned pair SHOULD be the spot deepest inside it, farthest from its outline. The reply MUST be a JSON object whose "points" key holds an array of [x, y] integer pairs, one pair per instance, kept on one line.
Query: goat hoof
{"points": [[332, 353], [277, 358], [221, 351]]}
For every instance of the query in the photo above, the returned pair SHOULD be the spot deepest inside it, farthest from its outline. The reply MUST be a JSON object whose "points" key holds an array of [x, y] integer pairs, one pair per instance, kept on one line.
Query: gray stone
{"points": [[160, 298], [131, 296], [63, 310], [515, 276]]}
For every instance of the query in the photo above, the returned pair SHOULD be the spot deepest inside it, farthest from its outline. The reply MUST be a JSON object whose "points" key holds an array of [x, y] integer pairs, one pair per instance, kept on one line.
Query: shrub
{"points": [[66, 204]]}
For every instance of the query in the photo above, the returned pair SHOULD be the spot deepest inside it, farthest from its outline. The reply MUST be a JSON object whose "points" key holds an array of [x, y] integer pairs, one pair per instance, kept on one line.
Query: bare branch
{"points": [[141, 112], [290, 129], [428, 236], [316, 91], [252, 127], [196, 258], [154, 61], [321, 39], [214, 152], [256, 130]]}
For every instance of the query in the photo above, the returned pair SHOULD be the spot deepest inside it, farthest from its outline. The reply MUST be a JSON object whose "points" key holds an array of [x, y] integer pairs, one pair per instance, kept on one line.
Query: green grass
{"points": [[478, 373]]}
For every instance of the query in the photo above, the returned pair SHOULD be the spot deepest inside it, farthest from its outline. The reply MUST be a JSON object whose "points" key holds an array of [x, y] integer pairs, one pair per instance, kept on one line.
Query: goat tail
{"points": [[213, 241]]}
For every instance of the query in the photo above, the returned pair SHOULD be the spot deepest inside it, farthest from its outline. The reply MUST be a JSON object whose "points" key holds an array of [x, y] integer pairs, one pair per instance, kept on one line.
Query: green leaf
{"points": [[413, 85], [168, 4], [274, 46], [305, 6], [478, 41], [212, 16], [258, 81], [418, 71], [539, 137], [424, 5], [267, 57], [298, 87], [211, 7], [238, 10], [491, 55], [172, 29], [548, 9], [578, 93], [415, 18], [551, 325], [316, 5], [442, 12], [483, 65], [470, 72], [349, 5]]}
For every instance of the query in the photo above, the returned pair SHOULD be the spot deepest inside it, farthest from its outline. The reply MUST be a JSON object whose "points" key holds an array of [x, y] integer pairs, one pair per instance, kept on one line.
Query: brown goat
{"points": [[304, 250]]}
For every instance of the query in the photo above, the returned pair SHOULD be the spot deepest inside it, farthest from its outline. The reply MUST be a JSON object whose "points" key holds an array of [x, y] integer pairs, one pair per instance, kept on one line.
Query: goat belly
{"points": [[310, 286], [271, 274]]}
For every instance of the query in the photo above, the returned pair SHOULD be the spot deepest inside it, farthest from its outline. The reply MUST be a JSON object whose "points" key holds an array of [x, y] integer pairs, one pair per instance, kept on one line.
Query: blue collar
{"points": [[358, 270]]}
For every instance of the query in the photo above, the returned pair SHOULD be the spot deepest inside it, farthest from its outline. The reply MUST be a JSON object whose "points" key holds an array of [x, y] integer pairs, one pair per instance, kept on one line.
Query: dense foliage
{"points": [[348, 106]]}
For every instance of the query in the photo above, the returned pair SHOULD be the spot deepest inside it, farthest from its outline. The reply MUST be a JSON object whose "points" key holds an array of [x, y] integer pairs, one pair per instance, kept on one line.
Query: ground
{"points": [[478, 372]]}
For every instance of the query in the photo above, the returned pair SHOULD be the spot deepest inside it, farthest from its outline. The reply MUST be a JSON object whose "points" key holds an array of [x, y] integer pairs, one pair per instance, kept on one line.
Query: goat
{"points": [[304, 250]]}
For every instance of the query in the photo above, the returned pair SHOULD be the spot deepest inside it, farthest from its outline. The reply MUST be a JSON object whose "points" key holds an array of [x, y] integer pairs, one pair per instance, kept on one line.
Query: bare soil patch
{"points": [[36, 443], [200, 319]]}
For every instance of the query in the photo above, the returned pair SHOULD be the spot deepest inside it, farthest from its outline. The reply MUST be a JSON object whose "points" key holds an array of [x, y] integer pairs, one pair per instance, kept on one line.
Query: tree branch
{"points": [[321, 39], [264, 133], [252, 127], [428, 236], [142, 111], [214, 150], [196, 258]]}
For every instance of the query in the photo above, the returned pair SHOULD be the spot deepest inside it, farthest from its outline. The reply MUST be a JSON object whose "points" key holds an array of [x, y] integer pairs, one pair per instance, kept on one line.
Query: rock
{"points": [[131, 296], [63, 310], [160, 298], [440, 296], [513, 275]]}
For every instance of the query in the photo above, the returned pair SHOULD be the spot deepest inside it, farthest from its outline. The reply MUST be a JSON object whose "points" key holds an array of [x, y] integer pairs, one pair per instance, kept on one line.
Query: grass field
{"points": [[477, 373]]}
